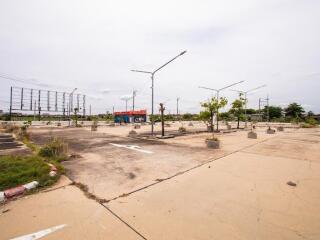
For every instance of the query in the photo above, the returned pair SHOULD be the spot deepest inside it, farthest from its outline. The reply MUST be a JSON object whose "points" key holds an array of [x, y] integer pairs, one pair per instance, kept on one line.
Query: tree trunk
{"points": [[238, 122], [211, 119]]}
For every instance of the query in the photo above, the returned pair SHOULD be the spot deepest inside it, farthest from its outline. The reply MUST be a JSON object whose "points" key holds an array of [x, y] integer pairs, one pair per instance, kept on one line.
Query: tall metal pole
{"points": [[217, 96], [31, 98], [178, 106], [10, 111], [245, 97], [63, 105], [71, 104], [34, 112], [21, 98], [260, 108], [217, 111], [162, 120], [133, 98], [152, 89], [84, 105], [56, 102], [245, 109], [39, 105], [268, 108]]}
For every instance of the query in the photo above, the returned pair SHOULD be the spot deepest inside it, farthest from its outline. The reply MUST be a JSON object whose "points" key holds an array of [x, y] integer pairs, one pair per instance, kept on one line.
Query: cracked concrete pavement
{"points": [[237, 192]]}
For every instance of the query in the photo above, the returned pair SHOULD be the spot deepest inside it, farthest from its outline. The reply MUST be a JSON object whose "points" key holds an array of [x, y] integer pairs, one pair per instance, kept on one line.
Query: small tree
{"points": [[294, 110], [274, 112], [238, 107], [76, 110], [205, 116], [213, 106]]}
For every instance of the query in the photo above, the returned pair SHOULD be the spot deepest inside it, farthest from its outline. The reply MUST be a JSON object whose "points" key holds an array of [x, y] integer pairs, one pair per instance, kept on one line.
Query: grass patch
{"points": [[17, 170], [56, 148]]}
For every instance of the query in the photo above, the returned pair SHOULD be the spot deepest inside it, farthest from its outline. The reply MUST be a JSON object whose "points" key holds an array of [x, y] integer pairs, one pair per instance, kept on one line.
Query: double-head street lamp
{"points": [[152, 84], [245, 98], [217, 96]]}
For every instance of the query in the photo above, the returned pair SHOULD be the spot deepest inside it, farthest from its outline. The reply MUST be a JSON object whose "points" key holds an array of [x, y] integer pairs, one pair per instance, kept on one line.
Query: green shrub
{"points": [[311, 121], [55, 148]]}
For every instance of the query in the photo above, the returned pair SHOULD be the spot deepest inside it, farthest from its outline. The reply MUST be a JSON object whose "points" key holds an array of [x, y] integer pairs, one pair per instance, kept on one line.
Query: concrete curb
{"points": [[2, 197], [16, 191], [19, 190]]}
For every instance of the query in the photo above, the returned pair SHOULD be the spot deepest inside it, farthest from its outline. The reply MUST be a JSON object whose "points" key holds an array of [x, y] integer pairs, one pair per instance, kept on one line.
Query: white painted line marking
{"points": [[131, 147], [40, 234]]}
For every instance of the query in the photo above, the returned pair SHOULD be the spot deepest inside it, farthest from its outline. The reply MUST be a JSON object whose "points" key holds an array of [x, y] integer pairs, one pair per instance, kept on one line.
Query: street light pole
{"points": [[152, 85], [217, 96], [245, 97]]}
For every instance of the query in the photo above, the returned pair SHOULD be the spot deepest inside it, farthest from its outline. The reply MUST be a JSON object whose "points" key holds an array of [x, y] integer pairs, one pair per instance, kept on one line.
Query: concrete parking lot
{"points": [[177, 188]]}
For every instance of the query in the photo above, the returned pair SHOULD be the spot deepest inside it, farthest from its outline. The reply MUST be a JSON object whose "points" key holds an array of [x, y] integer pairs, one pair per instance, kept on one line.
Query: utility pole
{"points": [[162, 120], [268, 108], [178, 106], [34, 110], [260, 108], [133, 97], [10, 113], [90, 109], [39, 105]]}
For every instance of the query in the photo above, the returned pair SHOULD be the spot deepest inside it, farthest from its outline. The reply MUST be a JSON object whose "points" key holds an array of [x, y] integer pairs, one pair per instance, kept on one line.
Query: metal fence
{"points": [[46, 101]]}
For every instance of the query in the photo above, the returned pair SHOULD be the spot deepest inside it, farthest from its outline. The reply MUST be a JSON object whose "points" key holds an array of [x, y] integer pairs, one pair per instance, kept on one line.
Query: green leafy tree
{"points": [[238, 108], [251, 111], [212, 107], [294, 110], [187, 116], [205, 116], [274, 112]]}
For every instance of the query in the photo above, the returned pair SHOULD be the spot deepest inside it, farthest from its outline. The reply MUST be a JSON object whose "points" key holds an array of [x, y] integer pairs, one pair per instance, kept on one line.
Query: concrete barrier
{"points": [[212, 144], [31, 185], [252, 135], [13, 192], [132, 133], [280, 129], [271, 131], [2, 197]]}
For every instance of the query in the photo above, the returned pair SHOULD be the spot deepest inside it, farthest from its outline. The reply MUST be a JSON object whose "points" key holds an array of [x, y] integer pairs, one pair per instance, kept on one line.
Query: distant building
{"points": [[256, 117], [1, 112], [130, 116]]}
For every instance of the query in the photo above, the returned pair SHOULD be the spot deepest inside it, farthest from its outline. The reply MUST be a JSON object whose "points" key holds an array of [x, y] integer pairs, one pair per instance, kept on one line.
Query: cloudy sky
{"points": [[92, 45]]}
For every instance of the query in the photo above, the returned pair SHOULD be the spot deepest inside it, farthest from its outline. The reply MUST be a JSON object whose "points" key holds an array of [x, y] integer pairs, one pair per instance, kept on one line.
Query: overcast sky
{"points": [[92, 45]]}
